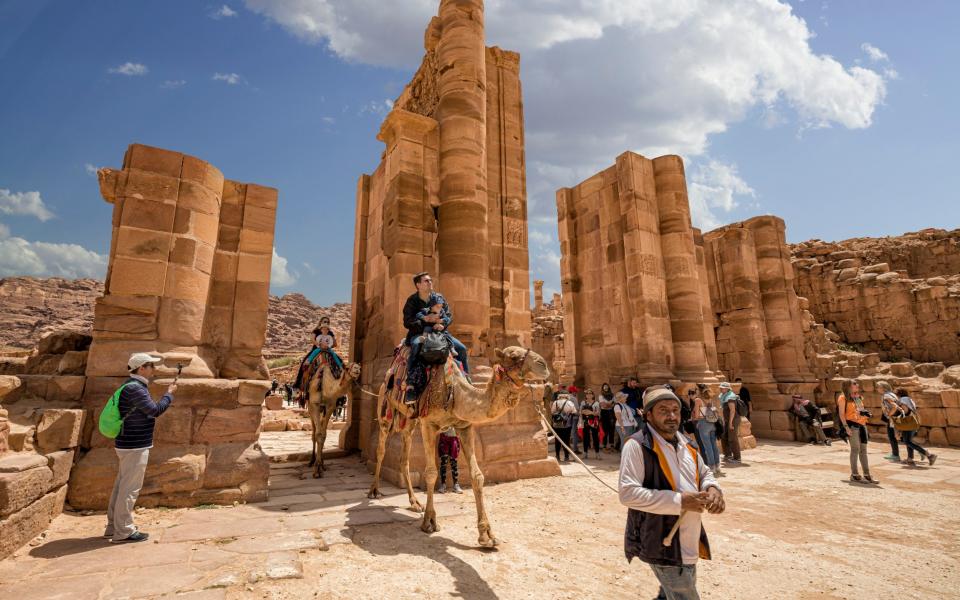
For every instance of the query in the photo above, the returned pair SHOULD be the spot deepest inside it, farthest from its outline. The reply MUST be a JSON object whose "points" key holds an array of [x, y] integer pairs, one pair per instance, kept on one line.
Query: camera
{"points": [[865, 413]]}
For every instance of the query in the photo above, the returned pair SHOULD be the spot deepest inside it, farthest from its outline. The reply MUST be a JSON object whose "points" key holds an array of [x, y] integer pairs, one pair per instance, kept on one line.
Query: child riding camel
{"points": [[325, 340]]}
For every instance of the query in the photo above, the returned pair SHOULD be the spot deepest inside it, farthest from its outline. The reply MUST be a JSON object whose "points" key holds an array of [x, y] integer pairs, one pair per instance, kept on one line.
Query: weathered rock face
{"points": [[898, 297], [632, 276], [448, 197], [548, 333], [291, 319]]}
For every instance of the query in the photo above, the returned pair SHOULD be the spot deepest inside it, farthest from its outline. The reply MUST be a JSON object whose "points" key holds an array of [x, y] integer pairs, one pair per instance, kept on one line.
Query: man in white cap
{"points": [[139, 413], [663, 481]]}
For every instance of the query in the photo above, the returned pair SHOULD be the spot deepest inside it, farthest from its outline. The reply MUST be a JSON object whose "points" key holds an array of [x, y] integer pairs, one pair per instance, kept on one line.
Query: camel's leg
{"points": [[405, 467], [320, 438], [476, 480], [429, 431], [381, 451], [312, 411]]}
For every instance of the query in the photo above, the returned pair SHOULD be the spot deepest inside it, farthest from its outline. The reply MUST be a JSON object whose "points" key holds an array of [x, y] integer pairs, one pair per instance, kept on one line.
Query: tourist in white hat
{"points": [[139, 413]]}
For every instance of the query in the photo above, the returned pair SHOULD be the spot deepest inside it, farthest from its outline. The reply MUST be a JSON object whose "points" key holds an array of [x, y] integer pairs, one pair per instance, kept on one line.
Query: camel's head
{"points": [[354, 371], [527, 363]]}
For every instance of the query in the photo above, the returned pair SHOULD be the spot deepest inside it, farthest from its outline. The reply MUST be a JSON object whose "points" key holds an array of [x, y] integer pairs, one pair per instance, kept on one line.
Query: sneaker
{"points": [[443, 489], [893, 457], [108, 534], [137, 536], [931, 458], [856, 478], [870, 479], [457, 489]]}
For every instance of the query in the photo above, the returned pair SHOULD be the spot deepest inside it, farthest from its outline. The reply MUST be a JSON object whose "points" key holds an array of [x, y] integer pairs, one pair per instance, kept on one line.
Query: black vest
{"points": [[645, 531]]}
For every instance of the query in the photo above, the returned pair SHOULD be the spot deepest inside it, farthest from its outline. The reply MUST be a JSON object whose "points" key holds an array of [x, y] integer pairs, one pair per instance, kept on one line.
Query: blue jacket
{"points": [[139, 413]]}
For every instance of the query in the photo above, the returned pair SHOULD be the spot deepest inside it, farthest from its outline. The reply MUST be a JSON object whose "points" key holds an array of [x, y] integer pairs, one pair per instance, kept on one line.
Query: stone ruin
{"points": [[547, 339], [188, 280], [729, 303], [898, 297], [449, 197]]}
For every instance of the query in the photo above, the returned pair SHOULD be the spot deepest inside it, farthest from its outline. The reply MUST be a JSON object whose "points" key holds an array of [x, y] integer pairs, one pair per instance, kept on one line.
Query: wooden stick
{"points": [[673, 531]]}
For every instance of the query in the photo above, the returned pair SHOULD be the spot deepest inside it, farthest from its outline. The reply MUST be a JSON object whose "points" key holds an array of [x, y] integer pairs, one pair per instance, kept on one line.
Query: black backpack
{"points": [[435, 348]]}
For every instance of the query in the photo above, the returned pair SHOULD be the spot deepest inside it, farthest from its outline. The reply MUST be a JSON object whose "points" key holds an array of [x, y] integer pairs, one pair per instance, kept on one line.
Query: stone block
{"points": [[230, 465], [937, 436], [25, 525], [72, 363], [59, 429], [174, 427], [18, 489], [204, 393], [952, 416], [254, 267], [129, 276], [65, 389], [61, 342], [781, 421], [217, 426], [274, 402], [251, 392], [950, 398], [60, 463], [147, 244], [930, 370], [877, 268], [901, 369], [16, 463], [158, 160], [197, 197]]}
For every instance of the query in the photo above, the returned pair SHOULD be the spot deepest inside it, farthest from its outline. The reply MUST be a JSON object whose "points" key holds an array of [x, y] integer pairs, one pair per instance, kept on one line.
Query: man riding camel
{"points": [[427, 311]]}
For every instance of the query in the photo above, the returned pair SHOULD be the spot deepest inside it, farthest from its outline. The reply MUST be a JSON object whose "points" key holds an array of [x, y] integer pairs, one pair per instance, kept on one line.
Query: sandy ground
{"points": [[794, 529]]}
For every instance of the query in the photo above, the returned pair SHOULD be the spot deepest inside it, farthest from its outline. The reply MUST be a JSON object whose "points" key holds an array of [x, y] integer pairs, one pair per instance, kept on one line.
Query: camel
{"points": [[468, 406], [320, 406]]}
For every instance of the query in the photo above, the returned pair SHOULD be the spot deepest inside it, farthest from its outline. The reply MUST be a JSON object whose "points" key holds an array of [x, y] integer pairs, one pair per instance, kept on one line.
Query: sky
{"points": [[838, 117]]}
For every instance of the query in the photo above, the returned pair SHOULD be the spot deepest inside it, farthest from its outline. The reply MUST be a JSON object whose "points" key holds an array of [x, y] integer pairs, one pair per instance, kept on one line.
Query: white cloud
{"points": [[129, 69], [20, 257], [714, 187], [875, 54], [228, 78], [280, 275], [224, 12], [24, 203], [90, 169], [172, 84], [377, 107]]}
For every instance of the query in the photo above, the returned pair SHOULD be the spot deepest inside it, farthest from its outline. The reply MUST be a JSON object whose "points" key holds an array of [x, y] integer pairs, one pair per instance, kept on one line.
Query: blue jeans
{"points": [[708, 442], [907, 438], [677, 583], [459, 350]]}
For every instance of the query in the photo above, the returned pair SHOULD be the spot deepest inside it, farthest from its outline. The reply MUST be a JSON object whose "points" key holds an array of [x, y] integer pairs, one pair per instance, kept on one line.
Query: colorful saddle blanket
{"points": [[427, 386], [315, 362]]}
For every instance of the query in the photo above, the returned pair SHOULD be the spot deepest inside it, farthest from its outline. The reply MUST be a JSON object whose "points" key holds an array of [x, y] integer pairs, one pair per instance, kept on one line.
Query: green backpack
{"points": [[111, 423]]}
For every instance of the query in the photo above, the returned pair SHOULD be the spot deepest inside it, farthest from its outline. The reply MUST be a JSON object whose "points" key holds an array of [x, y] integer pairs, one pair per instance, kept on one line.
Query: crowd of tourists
{"points": [[603, 423]]}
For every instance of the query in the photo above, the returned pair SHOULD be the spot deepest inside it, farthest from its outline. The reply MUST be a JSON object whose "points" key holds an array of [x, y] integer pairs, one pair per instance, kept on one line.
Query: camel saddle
{"points": [[429, 388]]}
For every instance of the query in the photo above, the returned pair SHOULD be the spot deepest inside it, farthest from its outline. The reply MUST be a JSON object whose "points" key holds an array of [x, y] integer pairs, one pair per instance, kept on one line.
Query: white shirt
{"points": [[666, 502], [325, 339]]}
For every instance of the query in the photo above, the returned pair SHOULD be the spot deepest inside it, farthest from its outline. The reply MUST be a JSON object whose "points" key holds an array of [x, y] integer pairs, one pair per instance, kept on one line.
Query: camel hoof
{"points": [[429, 526], [374, 494], [317, 474], [416, 507], [489, 542]]}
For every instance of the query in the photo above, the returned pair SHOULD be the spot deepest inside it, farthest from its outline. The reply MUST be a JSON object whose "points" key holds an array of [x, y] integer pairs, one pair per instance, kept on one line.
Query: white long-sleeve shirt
{"points": [[666, 502]]}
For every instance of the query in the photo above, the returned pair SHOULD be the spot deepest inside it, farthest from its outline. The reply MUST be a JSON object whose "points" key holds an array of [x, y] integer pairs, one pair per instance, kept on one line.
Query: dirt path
{"points": [[794, 529]]}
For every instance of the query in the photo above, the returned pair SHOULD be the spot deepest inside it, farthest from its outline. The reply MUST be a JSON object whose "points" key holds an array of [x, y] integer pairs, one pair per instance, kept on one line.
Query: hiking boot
{"points": [[137, 536], [457, 489], [856, 478], [443, 489], [910, 462], [931, 458]]}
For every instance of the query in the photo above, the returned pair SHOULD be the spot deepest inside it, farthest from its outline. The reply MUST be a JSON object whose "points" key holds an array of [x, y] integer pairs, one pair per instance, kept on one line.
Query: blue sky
{"points": [[842, 123]]}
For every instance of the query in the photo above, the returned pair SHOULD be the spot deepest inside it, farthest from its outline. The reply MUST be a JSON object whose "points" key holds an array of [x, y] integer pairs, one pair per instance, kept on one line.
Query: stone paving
{"points": [[296, 446], [308, 538]]}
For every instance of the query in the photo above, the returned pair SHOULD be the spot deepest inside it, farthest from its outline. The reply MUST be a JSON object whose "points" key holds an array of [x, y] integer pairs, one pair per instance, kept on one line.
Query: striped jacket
{"points": [[139, 412]]}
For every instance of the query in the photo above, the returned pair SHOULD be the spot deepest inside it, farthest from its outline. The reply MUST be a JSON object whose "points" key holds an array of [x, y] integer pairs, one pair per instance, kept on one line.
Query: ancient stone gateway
{"points": [[188, 280], [449, 197]]}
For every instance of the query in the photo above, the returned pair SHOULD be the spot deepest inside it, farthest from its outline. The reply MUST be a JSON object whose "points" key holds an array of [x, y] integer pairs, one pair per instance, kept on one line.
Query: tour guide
{"points": [[662, 479]]}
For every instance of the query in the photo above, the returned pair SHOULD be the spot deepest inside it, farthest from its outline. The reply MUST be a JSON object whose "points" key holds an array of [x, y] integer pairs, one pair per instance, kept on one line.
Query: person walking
{"points": [[706, 418], [608, 419], [853, 419], [139, 413], [449, 449], [575, 420], [731, 424], [562, 411], [626, 418], [912, 416], [890, 409], [664, 481], [590, 420]]}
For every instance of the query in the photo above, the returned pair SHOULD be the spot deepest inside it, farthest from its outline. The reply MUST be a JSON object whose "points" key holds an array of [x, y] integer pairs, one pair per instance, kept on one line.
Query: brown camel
{"points": [[467, 407], [322, 403]]}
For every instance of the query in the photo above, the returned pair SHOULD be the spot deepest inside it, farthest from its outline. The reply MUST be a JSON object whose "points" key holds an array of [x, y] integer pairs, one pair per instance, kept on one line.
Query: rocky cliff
{"points": [[32, 307]]}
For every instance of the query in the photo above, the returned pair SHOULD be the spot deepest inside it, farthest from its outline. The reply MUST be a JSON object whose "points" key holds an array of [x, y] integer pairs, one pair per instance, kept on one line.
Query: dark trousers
{"points": [[591, 433], [731, 440], [892, 438], [454, 469], [907, 438], [563, 434], [607, 423]]}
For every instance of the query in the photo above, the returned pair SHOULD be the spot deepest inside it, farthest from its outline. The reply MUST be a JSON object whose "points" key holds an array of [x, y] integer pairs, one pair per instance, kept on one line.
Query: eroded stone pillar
{"points": [[781, 309], [463, 237], [537, 295], [646, 288], [709, 335], [680, 261]]}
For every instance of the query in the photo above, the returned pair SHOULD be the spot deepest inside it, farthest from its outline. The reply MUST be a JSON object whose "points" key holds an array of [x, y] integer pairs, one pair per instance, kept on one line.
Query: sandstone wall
{"points": [[631, 276], [188, 280], [878, 309], [449, 197], [758, 319]]}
